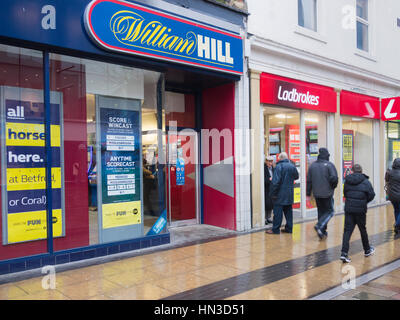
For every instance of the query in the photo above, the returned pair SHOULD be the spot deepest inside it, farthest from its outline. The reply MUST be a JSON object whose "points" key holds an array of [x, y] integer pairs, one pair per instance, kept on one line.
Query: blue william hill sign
{"points": [[122, 26]]}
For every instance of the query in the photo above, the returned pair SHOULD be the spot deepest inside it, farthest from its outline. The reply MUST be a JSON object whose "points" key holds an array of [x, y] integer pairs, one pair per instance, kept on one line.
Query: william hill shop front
{"points": [[102, 103]]}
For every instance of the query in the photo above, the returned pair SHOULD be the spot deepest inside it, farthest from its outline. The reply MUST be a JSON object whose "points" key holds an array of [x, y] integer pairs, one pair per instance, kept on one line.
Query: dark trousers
{"points": [[350, 222], [279, 210], [396, 209], [325, 212]]}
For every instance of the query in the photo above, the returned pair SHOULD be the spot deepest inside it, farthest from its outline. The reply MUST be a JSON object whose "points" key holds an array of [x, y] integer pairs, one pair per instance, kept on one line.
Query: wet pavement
{"points": [[250, 266]]}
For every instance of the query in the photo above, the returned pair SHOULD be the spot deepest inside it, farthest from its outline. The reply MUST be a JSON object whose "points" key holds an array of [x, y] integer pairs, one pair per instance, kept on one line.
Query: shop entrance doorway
{"points": [[182, 178]]}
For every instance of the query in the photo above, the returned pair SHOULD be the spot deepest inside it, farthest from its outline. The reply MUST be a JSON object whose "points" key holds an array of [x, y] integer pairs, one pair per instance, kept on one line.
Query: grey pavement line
{"points": [[363, 279]]}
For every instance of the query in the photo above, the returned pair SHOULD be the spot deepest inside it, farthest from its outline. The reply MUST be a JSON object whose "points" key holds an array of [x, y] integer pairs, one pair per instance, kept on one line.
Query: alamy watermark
{"points": [[49, 280], [349, 278]]}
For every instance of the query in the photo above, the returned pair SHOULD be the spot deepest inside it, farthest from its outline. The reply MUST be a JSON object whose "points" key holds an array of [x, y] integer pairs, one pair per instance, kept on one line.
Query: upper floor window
{"points": [[307, 14], [362, 25]]}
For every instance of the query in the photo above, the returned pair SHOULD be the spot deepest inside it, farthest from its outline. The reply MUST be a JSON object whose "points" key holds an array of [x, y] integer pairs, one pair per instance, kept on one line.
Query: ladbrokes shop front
{"points": [[102, 103]]}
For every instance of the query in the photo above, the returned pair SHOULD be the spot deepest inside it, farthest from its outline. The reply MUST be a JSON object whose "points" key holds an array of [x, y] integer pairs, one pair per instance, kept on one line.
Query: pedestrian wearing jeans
{"points": [[322, 179], [358, 192], [392, 178], [281, 192]]}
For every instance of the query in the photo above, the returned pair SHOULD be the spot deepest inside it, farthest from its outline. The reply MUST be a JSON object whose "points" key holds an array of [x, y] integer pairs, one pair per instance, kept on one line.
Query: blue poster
{"points": [[180, 165], [159, 224], [120, 167]]}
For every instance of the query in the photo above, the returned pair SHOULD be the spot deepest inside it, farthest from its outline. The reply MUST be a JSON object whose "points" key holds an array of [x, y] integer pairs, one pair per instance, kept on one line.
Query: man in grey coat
{"points": [[322, 179]]}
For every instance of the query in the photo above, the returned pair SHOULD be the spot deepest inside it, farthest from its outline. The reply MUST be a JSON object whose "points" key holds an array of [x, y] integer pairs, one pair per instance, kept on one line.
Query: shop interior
{"points": [[152, 193], [282, 134]]}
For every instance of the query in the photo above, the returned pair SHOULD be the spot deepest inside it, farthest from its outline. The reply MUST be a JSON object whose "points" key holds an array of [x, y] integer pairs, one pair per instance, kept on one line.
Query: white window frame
{"points": [[315, 16], [320, 33], [365, 22]]}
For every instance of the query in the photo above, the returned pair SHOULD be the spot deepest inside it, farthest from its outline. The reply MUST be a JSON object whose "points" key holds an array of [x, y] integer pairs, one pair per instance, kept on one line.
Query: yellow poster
{"points": [[296, 195], [31, 178], [25, 174], [347, 147], [28, 226], [396, 149], [30, 134], [121, 214]]}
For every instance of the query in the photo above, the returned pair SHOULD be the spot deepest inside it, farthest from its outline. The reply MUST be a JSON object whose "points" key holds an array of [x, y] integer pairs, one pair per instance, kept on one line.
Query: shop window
{"points": [[307, 14], [357, 135], [316, 137], [23, 161], [282, 134], [113, 182], [362, 25], [392, 142]]}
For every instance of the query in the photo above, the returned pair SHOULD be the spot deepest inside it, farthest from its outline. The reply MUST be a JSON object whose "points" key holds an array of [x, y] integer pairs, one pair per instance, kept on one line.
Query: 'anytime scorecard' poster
{"points": [[120, 156]]}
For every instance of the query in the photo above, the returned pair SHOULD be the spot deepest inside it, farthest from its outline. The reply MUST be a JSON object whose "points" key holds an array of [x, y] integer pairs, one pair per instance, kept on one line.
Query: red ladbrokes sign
{"points": [[287, 92]]}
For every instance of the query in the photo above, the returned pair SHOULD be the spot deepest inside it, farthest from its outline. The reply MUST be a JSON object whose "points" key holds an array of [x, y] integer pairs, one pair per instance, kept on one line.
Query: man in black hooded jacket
{"points": [[322, 179], [357, 191], [392, 178]]}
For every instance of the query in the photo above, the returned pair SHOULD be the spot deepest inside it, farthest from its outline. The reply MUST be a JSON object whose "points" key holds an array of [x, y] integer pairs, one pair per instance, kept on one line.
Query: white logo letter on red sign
{"points": [[388, 110]]}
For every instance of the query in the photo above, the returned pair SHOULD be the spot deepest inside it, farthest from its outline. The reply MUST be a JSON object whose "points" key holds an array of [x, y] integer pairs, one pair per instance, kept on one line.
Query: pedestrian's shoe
{"points": [[319, 232], [396, 229], [369, 252], [285, 231], [269, 220], [345, 258], [270, 232]]}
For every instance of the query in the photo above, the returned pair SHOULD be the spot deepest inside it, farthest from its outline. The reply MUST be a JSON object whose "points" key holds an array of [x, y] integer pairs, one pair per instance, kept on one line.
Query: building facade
{"points": [[319, 71], [112, 116]]}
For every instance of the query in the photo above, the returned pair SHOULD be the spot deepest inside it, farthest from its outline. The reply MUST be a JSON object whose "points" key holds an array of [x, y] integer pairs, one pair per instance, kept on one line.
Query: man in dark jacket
{"points": [[268, 174], [281, 192], [358, 192], [392, 178], [322, 179]]}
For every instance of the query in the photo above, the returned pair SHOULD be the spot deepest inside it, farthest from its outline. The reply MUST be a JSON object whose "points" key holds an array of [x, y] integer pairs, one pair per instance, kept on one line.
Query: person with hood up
{"points": [[357, 191], [281, 192], [392, 178], [322, 179]]}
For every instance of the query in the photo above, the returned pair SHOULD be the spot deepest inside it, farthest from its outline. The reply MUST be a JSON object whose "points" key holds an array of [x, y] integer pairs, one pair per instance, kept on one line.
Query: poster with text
{"points": [[25, 171], [348, 152], [120, 161]]}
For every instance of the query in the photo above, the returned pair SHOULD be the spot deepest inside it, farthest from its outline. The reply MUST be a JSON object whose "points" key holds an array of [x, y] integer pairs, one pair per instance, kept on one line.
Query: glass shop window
{"points": [[23, 162], [113, 181]]}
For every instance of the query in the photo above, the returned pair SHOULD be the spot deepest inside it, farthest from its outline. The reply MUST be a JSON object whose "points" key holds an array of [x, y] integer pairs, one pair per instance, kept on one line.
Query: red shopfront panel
{"points": [[359, 105], [390, 109], [186, 118], [70, 79], [219, 206], [182, 204], [281, 91]]}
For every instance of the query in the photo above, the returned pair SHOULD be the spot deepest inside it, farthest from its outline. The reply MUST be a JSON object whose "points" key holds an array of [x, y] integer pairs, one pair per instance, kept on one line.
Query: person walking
{"points": [[268, 173], [281, 193], [357, 191], [392, 187], [322, 179]]}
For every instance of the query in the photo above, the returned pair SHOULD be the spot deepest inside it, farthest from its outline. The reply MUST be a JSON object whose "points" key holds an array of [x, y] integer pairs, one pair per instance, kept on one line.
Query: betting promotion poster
{"points": [[120, 156], [24, 171], [180, 165], [293, 151], [348, 152]]}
